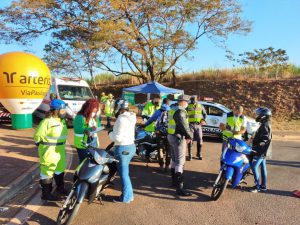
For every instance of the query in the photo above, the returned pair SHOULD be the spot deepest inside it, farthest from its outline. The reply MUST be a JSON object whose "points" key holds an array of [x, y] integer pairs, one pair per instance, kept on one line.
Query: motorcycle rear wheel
{"points": [[219, 188], [67, 214]]}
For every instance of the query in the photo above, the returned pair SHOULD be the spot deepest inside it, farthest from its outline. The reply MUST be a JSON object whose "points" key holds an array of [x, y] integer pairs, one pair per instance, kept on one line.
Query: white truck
{"points": [[73, 91]]}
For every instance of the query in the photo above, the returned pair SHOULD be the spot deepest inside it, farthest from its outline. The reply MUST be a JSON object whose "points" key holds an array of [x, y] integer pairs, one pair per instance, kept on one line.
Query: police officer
{"points": [[179, 134], [197, 114], [235, 125], [109, 109], [149, 110], [50, 137]]}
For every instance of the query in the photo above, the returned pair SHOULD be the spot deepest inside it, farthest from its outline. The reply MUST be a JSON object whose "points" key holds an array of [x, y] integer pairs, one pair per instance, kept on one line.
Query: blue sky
{"points": [[275, 23]]}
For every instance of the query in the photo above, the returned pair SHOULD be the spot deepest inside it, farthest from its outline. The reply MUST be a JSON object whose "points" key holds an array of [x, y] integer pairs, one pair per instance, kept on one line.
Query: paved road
{"points": [[155, 202]]}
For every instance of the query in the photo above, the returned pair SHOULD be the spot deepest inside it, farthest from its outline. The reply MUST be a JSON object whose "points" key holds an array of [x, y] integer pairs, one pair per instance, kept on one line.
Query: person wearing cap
{"points": [[50, 137], [86, 121], [160, 117], [197, 114], [123, 137], [179, 135], [109, 109], [149, 110]]}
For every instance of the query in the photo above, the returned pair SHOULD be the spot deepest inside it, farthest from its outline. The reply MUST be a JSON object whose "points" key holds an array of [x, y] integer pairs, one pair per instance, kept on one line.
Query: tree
{"points": [[145, 39], [263, 60]]}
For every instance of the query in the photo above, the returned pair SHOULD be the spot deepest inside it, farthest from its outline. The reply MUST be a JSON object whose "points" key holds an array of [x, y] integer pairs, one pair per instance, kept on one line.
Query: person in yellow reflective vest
{"points": [[197, 114], [149, 110], [103, 98], [50, 137], [235, 126], [179, 134], [86, 121], [109, 109]]}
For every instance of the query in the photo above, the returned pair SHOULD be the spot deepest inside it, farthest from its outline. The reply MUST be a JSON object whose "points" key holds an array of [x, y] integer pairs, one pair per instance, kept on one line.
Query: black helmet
{"points": [[263, 114], [120, 103]]}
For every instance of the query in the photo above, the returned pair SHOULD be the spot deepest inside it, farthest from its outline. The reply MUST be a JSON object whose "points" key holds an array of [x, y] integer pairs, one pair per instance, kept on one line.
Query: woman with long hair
{"points": [[86, 120]]}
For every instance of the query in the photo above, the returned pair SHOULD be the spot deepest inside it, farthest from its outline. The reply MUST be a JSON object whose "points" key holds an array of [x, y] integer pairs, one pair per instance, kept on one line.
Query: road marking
{"points": [[36, 202]]}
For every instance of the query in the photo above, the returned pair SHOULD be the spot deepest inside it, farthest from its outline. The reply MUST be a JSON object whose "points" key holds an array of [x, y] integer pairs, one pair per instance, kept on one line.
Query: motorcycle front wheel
{"points": [[219, 188], [69, 210]]}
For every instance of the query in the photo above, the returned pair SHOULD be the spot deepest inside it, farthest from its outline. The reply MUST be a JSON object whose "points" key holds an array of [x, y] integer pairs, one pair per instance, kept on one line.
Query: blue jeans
{"points": [[256, 163], [123, 168]]}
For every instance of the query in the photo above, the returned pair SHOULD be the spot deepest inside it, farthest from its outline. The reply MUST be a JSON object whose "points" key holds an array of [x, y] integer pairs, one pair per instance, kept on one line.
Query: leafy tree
{"points": [[145, 39]]}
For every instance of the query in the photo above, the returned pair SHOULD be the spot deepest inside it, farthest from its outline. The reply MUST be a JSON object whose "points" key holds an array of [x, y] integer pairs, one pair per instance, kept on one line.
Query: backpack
{"points": [[162, 123]]}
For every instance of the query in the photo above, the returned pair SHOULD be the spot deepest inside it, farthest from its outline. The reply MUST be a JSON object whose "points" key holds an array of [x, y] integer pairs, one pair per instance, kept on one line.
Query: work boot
{"points": [[199, 155], [179, 186], [190, 156], [173, 177], [46, 185], [60, 184]]}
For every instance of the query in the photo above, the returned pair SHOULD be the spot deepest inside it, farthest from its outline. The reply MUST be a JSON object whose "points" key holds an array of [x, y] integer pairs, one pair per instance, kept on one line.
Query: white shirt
{"points": [[124, 129]]}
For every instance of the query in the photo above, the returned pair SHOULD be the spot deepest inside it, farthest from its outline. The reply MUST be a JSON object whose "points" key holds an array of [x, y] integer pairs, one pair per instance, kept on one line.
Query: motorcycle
{"points": [[146, 145], [92, 176], [235, 167]]}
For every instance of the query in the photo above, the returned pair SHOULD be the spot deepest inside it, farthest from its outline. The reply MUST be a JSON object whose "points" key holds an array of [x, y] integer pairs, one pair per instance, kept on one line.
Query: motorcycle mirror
{"points": [[125, 153]]}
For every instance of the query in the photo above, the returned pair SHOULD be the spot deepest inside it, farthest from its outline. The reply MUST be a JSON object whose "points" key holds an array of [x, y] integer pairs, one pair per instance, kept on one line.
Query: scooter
{"points": [[146, 146], [91, 177], [235, 167]]}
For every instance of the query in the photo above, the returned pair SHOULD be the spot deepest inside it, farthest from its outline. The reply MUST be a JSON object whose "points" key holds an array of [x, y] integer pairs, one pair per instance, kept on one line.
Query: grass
{"points": [[241, 73]]}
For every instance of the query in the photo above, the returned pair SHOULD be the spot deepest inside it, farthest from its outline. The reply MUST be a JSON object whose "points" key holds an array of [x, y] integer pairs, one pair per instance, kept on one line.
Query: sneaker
{"points": [[254, 190], [263, 188]]}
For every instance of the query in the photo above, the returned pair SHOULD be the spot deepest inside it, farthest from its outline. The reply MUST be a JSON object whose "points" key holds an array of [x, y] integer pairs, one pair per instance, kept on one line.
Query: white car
{"points": [[216, 114]]}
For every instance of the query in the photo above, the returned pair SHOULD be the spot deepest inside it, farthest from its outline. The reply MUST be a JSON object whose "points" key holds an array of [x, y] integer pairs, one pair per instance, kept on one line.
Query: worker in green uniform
{"points": [[50, 137], [109, 109], [149, 110]]}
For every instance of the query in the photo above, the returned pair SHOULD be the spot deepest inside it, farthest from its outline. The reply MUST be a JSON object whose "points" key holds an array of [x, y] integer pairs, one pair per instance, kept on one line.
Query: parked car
{"points": [[4, 115], [216, 114]]}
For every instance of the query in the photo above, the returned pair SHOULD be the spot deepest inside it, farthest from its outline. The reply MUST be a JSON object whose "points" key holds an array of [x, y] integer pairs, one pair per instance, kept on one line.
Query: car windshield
{"points": [[67, 92]]}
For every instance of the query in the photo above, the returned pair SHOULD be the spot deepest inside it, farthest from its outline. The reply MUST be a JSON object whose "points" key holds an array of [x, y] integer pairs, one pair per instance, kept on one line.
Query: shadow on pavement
{"points": [[284, 163]]}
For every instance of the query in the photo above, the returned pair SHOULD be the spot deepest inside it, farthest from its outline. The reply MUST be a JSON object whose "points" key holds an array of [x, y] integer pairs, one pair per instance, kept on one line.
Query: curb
{"points": [[18, 184], [25, 179]]}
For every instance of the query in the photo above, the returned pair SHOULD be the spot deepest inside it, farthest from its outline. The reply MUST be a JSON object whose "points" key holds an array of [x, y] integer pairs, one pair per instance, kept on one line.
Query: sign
{"points": [[24, 81], [130, 97]]}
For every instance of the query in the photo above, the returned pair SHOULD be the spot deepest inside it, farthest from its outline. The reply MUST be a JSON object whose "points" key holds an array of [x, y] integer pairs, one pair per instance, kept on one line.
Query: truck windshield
{"points": [[67, 92]]}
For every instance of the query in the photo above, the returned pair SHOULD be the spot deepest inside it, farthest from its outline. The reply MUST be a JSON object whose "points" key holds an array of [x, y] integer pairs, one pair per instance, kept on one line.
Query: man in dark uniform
{"points": [[179, 134]]}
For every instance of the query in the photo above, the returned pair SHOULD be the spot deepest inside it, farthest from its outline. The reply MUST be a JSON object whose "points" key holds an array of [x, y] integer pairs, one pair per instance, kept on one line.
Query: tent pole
{"points": [[148, 97]]}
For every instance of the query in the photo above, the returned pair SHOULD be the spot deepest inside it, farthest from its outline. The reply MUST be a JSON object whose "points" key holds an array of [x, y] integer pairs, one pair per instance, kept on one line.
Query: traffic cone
{"points": [[297, 193]]}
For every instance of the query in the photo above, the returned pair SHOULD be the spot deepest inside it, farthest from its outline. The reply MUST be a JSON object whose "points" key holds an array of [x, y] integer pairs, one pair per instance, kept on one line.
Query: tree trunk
{"points": [[174, 78]]}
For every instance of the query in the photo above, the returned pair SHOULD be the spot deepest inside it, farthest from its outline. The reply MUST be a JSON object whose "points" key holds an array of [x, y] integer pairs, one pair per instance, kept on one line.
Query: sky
{"points": [[275, 23]]}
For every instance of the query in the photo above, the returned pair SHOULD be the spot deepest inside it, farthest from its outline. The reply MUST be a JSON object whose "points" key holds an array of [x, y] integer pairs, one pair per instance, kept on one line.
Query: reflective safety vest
{"points": [[51, 136], [149, 110], [172, 122], [235, 125], [194, 113], [109, 107], [80, 126], [103, 99]]}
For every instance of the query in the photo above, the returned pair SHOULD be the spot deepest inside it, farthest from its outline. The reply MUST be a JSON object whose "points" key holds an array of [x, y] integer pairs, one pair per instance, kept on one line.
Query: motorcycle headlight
{"points": [[240, 148]]}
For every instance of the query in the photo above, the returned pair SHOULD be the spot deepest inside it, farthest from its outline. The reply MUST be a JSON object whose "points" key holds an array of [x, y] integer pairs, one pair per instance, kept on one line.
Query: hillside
{"points": [[282, 96]]}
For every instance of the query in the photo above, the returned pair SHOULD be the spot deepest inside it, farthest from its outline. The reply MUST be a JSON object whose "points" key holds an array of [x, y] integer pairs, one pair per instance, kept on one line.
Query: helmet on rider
{"points": [[57, 104], [263, 114], [120, 104]]}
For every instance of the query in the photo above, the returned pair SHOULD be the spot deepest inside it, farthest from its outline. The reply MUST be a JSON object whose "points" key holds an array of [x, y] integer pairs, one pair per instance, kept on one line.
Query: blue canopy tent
{"points": [[151, 87]]}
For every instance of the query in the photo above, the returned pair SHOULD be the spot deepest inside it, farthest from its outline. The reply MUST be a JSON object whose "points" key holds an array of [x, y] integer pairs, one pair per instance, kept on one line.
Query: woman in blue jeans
{"points": [[123, 137], [260, 145]]}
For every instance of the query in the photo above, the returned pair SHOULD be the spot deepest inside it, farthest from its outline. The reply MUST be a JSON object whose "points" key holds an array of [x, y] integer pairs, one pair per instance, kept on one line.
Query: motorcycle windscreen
{"points": [[233, 158], [90, 171]]}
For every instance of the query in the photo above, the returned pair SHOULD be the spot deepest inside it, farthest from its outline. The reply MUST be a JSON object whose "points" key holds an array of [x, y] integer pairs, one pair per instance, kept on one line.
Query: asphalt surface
{"points": [[155, 202]]}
